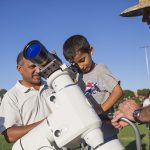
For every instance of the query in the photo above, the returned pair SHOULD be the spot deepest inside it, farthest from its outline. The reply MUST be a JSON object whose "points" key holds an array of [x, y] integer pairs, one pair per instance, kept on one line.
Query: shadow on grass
{"points": [[132, 145]]}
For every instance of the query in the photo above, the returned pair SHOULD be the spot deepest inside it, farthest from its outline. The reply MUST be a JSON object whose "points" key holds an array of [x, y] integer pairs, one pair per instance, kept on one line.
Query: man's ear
{"points": [[18, 68]]}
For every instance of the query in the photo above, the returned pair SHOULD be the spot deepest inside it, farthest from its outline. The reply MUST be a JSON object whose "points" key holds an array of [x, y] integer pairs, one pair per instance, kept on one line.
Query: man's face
{"points": [[146, 15], [29, 72]]}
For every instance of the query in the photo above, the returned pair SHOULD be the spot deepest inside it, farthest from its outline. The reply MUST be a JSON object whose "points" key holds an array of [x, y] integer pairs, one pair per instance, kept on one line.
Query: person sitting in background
{"points": [[146, 101], [2, 93]]}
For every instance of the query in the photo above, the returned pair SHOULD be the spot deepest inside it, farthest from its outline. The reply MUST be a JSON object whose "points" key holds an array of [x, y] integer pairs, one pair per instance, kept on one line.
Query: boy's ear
{"points": [[91, 50]]}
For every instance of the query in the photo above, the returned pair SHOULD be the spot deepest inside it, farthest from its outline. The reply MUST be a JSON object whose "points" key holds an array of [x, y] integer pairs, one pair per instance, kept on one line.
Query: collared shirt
{"points": [[22, 106]]}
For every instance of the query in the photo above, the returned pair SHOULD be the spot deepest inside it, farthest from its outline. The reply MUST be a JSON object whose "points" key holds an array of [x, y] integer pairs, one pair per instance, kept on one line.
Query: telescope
{"points": [[72, 120]]}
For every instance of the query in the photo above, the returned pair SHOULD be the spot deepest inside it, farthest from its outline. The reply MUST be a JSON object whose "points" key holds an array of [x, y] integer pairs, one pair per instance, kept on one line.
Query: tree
{"points": [[128, 94], [143, 92]]}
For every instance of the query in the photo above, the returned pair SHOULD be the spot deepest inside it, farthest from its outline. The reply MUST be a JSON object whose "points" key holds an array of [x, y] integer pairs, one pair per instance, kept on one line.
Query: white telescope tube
{"points": [[72, 115]]}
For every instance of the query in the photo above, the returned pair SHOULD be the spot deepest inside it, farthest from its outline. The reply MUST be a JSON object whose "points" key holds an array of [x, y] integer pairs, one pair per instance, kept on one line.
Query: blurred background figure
{"points": [[146, 102], [2, 93], [140, 9]]}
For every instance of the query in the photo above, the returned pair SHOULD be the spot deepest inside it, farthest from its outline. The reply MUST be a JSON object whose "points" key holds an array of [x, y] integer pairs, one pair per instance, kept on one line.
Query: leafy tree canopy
{"points": [[128, 94], [143, 92]]}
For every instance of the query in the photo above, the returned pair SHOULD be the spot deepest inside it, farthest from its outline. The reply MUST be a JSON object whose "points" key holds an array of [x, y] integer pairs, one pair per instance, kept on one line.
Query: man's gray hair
{"points": [[20, 58]]}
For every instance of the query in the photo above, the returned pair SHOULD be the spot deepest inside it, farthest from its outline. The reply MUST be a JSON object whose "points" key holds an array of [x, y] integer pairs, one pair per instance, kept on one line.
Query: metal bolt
{"points": [[57, 133], [52, 98]]}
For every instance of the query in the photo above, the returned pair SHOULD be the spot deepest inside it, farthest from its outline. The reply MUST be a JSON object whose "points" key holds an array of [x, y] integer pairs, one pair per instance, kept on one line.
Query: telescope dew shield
{"points": [[37, 53]]}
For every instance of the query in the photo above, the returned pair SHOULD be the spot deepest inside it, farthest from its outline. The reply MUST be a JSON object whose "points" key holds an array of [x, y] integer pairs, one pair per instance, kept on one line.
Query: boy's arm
{"points": [[113, 98]]}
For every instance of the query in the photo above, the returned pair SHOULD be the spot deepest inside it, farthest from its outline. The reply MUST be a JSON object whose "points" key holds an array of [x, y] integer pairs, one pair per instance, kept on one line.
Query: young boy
{"points": [[97, 82]]}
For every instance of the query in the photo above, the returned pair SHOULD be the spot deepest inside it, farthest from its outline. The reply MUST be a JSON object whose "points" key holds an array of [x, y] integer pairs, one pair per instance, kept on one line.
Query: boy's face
{"points": [[84, 61]]}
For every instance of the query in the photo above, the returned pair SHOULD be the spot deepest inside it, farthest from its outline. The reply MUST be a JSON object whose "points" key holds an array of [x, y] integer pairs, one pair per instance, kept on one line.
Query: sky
{"points": [[117, 40]]}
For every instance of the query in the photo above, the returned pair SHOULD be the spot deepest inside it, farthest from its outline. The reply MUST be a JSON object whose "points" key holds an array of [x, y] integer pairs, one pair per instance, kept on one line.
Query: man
{"points": [[140, 9], [24, 106], [134, 112]]}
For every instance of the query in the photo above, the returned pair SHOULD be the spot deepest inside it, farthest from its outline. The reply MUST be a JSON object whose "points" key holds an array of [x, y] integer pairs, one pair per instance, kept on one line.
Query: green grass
{"points": [[3, 144], [126, 136]]}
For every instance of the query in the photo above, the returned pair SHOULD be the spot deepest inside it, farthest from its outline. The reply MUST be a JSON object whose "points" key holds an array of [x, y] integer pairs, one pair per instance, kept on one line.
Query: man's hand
{"points": [[127, 108], [116, 122]]}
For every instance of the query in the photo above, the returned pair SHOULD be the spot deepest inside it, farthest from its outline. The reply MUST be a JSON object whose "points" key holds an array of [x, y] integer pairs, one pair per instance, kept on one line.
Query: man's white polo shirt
{"points": [[23, 106]]}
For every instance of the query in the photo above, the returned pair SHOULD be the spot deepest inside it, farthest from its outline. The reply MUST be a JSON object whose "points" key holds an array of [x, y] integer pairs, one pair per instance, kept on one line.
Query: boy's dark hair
{"points": [[20, 58], [74, 44]]}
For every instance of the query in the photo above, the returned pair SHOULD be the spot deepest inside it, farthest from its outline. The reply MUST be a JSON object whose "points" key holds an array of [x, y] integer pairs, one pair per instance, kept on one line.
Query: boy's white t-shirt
{"points": [[23, 106], [105, 83]]}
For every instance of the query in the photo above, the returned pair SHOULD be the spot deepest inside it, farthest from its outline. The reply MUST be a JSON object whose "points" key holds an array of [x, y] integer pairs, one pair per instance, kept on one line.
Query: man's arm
{"points": [[126, 110], [12, 134], [145, 114]]}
